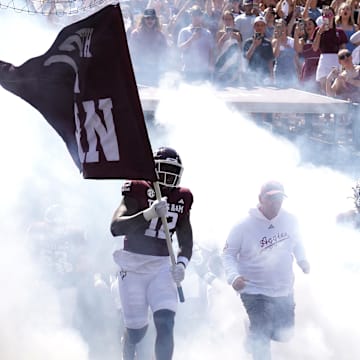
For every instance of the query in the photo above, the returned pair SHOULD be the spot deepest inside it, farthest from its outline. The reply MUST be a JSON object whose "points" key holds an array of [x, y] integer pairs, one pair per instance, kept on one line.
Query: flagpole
{"points": [[168, 240]]}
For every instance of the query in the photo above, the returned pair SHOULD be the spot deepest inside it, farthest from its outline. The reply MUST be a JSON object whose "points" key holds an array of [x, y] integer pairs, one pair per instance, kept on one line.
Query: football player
{"points": [[146, 279]]}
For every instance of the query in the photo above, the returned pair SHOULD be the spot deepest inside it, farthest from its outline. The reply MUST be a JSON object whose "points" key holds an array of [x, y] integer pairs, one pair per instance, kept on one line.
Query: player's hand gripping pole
{"points": [[168, 240]]}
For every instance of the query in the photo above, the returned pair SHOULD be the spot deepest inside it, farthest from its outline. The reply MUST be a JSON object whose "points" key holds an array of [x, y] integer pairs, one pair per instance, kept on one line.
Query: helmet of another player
{"points": [[356, 197], [168, 166]]}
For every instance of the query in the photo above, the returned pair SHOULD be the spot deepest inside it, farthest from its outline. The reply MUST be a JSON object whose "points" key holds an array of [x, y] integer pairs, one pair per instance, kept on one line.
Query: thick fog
{"points": [[226, 158]]}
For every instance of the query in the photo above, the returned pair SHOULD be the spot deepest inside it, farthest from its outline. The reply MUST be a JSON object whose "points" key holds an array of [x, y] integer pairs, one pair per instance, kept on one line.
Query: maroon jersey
{"points": [[149, 237], [331, 40]]}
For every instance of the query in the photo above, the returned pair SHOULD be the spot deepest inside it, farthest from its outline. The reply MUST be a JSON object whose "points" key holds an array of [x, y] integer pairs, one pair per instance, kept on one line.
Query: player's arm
{"points": [[127, 217], [184, 236]]}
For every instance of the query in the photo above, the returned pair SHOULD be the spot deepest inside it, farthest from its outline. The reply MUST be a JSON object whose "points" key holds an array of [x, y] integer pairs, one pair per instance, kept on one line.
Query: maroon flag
{"points": [[85, 88]]}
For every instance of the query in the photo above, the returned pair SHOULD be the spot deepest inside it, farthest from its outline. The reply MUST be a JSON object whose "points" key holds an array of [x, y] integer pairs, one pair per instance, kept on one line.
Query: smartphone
{"points": [[257, 36], [326, 23], [278, 27], [301, 24]]}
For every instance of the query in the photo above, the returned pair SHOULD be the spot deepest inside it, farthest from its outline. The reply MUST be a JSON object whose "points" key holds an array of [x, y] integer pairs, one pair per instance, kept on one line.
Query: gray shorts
{"points": [[270, 317]]}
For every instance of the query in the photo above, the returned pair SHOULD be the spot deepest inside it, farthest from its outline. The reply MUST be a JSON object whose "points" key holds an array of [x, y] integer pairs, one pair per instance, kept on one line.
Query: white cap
{"points": [[259, 19]]}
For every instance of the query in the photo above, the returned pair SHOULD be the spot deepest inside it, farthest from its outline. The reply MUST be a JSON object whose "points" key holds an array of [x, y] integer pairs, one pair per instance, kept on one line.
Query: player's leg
{"points": [[162, 295], [132, 290], [130, 338], [164, 343]]}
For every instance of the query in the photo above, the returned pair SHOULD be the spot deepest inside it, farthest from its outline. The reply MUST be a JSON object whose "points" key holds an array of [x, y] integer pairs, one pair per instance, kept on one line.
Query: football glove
{"points": [[157, 209], [178, 272]]}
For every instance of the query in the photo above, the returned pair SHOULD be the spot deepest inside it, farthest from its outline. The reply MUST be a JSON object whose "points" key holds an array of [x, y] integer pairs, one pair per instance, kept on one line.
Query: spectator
{"points": [[148, 49], [344, 84], [214, 10], [344, 20], [234, 6], [245, 21], [311, 10], [293, 18], [284, 10], [258, 262], [269, 15], [329, 40], [180, 18], [228, 52], [259, 54], [285, 68], [161, 9], [146, 279], [303, 46], [196, 45], [335, 4]]}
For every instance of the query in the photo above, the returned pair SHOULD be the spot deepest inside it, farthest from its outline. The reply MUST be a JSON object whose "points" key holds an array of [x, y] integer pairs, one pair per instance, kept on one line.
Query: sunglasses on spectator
{"points": [[344, 56]]}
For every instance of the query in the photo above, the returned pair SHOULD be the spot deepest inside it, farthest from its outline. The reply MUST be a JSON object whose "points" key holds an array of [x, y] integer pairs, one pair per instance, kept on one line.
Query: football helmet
{"points": [[356, 196], [168, 166]]}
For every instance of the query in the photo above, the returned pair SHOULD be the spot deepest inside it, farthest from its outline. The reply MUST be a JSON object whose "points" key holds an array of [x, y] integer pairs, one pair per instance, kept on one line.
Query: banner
{"points": [[84, 86]]}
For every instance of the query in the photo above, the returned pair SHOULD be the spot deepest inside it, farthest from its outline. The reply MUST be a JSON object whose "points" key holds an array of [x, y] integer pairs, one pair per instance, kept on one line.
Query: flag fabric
{"points": [[84, 86]]}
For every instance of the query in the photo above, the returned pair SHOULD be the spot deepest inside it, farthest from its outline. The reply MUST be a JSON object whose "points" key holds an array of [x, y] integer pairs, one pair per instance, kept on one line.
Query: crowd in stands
{"points": [[230, 43]]}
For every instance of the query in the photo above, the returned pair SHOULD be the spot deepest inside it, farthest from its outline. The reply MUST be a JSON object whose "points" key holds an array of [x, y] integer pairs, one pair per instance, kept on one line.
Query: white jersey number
{"points": [[160, 233]]}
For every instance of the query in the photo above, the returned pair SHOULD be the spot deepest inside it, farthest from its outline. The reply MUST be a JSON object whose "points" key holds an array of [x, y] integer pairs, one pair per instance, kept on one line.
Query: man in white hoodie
{"points": [[258, 261]]}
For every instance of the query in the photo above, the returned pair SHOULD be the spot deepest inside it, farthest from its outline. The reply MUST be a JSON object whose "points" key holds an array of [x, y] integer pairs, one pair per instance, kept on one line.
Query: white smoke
{"points": [[226, 159], [37, 171]]}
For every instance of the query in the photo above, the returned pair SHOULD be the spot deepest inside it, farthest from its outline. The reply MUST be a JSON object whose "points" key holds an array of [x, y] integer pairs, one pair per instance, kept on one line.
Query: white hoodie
{"points": [[262, 251]]}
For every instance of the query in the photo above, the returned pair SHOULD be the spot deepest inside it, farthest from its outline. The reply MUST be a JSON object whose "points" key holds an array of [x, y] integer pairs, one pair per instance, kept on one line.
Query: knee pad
{"points": [[135, 335], [164, 321]]}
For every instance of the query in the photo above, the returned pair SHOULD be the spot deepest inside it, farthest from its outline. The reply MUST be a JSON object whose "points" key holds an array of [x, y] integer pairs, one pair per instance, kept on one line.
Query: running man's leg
{"points": [[257, 308]]}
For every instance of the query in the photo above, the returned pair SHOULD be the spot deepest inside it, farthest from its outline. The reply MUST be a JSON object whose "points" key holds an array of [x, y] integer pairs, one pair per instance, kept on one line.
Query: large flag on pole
{"points": [[85, 88]]}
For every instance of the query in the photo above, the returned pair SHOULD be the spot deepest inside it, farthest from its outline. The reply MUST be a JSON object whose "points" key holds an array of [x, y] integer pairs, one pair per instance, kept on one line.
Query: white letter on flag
{"points": [[93, 125]]}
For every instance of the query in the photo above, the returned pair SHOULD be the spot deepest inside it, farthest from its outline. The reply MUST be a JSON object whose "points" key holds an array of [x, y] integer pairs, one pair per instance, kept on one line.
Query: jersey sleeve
{"points": [[128, 217], [184, 231]]}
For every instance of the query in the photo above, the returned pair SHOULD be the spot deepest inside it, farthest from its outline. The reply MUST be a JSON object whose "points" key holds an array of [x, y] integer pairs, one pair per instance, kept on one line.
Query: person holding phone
{"points": [[227, 52], [196, 45], [344, 81], [329, 40], [259, 54], [303, 46], [285, 67]]}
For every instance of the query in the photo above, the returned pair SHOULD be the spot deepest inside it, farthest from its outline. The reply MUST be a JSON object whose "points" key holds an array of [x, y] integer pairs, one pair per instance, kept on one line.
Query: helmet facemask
{"points": [[169, 172]]}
